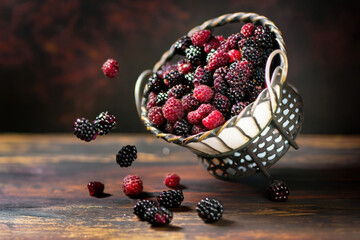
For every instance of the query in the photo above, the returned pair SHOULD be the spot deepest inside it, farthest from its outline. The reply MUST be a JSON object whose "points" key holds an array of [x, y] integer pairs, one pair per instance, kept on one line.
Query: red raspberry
{"points": [[200, 37], [189, 102], [156, 116], [213, 120], [172, 180], [211, 44], [220, 38], [198, 129], [235, 55], [132, 185], [152, 98], [110, 68], [218, 59], [204, 110], [173, 110], [185, 68], [194, 117], [203, 93], [248, 29], [95, 188]]}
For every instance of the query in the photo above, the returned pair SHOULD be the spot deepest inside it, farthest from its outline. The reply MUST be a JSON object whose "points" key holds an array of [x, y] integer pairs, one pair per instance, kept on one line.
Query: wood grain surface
{"points": [[43, 193]]}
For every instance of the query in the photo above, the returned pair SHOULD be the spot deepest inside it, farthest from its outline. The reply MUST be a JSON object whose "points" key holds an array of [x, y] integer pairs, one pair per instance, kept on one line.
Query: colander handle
{"points": [[139, 86]]}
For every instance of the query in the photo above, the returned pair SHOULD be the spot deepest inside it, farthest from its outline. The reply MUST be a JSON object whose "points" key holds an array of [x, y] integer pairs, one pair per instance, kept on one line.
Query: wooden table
{"points": [[43, 193]]}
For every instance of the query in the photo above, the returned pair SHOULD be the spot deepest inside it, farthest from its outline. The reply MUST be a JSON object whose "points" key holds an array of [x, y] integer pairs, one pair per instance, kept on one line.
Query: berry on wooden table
{"points": [[132, 185]]}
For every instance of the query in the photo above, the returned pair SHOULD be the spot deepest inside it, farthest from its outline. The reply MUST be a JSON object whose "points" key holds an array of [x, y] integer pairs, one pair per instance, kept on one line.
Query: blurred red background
{"points": [[51, 53]]}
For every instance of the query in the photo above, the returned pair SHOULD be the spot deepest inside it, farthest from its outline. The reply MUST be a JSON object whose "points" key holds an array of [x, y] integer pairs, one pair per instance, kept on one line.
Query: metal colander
{"points": [[260, 135]]}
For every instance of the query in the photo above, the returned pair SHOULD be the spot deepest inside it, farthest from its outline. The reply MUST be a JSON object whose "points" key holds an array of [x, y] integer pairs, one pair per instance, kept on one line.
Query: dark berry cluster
{"points": [[126, 155], [87, 130], [226, 73], [210, 210], [278, 191]]}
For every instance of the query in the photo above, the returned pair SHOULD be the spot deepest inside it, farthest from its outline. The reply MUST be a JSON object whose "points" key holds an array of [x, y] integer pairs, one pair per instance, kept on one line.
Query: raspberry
{"points": [[198, 129], [202, 77], [204, 110], [152, 98], [185, 67], [173, 110], [252, 54], [158, 216], [213, 120], [210, 210], [203, 93], [171, 198], [132, 185], [238, 107], [126, 155], [208, 56], [221, 103], [193, 117], [194, 55], [181, 44], [173, 78], [161, 98], [278, 191], [105, 122], [213, 43], [110, 68], [182, 128], [220, 38], [178, 91], [218, 59], [141, 206], [95, 188], [85, 130], [155, 83], [156, 116], [189, 102], [235, 55], [172, 180], [247, 29], [200, 37]]}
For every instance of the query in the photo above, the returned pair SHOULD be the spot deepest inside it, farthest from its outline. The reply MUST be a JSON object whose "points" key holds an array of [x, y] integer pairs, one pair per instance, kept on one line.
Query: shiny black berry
{"points": [[278, 191], [126, 156], [158, 215], [85, 130], [171, 198], [141, 207], [105, 122], [210, 210], [181, 44]]}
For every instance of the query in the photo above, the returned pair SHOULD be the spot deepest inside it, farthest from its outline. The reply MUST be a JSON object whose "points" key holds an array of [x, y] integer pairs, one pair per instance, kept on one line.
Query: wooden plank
{"points": [[43, 192]]}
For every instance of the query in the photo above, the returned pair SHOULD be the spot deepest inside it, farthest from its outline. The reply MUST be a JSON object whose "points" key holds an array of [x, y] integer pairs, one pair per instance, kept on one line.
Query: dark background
{"points": [[51, 53]]}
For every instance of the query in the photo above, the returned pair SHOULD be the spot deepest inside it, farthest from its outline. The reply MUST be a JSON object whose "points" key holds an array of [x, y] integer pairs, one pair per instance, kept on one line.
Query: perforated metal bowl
{"points": [[255, 139]]}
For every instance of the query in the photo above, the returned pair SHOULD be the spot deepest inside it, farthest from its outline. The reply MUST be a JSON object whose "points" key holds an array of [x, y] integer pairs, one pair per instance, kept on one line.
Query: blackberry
{"points": [[252, 54], [250, 42], [278, 191], [178, 91], [189, 102], [264, 37], [161, 98], [171, 198], [255, 93], [158, 215], [235, 94], [202, 77], [231, 42], [174, 77], [208, 56], [194, 55], [220, 85], [264, 57], [237, 108], [166, 68], [235, 76], [221, 103], [141, 207], [259, 75], [210, 210], [105, 122], [189, 78], [126, 155], [181, 44], [182, 128], [155, 83], [85, 130]]}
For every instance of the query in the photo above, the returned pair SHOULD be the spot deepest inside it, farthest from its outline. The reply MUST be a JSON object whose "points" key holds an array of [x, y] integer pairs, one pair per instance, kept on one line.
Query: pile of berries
{"points": [[87, 130], [216, 79]]}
